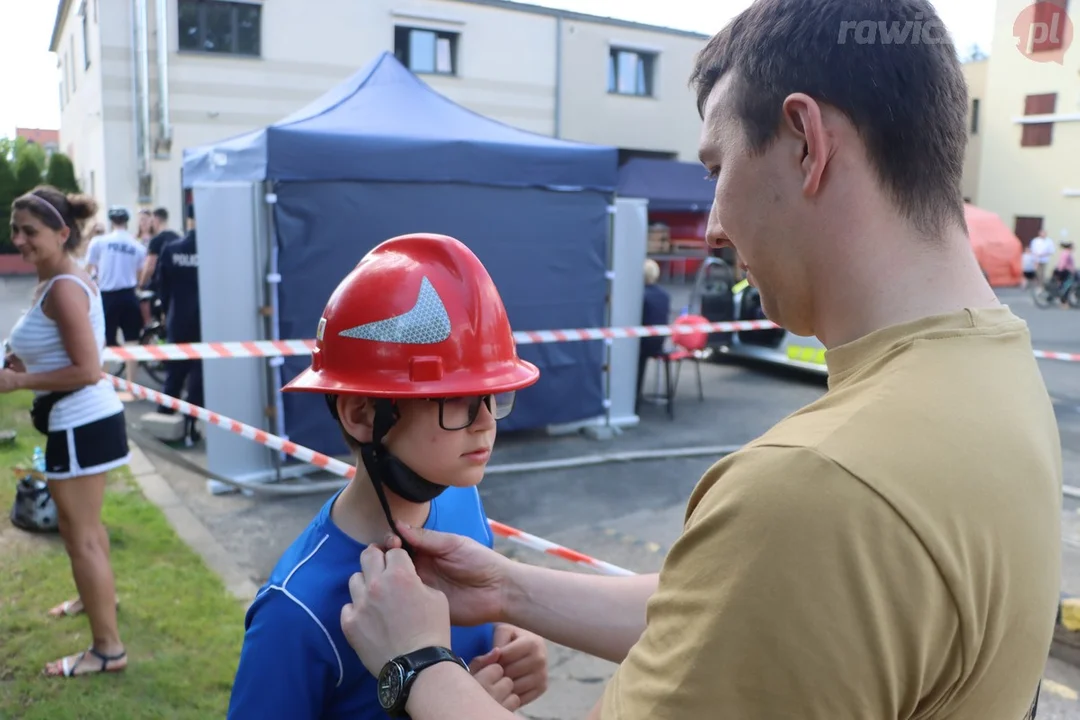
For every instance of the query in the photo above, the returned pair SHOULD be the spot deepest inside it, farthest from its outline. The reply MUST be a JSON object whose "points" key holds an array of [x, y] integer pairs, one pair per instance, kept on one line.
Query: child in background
{"points": [[415, 357], [1027, 265]]}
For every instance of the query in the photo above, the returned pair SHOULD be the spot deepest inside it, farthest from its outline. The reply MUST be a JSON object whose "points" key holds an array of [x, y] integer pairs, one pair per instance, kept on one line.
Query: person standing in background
{"points": [[162, 236], [115, 261], [1043, 249], [56, 352], [177, 283]]}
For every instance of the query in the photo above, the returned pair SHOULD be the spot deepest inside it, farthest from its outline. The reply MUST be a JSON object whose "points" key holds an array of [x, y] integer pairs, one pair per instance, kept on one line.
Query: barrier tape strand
{"points": [[347, 471], [292, 348], [288, 348]]}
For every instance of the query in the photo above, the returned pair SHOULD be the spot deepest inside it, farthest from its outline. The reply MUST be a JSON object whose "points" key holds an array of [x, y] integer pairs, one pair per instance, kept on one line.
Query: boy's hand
{"points": [[489, 673], [523, 657]]}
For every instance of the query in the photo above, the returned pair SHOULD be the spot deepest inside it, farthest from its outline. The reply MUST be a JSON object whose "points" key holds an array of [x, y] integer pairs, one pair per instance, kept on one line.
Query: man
{"points": [[161, 236], [1042, 247], [115, 260], [892, 549], [177, 281]]}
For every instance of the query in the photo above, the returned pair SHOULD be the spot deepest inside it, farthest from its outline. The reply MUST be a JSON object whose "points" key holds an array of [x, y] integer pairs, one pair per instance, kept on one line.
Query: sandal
{"points": [[67, 667], [65, 608]]}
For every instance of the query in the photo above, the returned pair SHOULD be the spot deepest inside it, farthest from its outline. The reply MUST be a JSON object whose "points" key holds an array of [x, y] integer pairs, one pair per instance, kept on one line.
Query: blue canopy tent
{"points": [[668, 185], [383, 154]]}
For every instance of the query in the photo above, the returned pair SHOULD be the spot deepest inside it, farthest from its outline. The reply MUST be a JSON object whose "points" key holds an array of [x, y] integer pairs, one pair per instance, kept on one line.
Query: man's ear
{"points": [[357, 415]]}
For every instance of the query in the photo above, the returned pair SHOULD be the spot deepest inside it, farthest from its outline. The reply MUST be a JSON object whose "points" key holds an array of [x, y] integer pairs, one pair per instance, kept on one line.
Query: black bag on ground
{"points": [[42, 407]]}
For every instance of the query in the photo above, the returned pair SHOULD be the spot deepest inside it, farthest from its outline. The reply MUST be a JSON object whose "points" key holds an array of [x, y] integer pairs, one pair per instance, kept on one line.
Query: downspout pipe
{"points": [[141, 74], [163, 146]]}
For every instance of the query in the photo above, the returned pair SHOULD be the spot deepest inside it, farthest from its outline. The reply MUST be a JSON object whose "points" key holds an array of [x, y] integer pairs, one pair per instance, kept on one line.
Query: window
{"points": [[71, 45], [630, 72], [426, 51], [216, 26], [975, 116], [1038, 134], [85, 36]]}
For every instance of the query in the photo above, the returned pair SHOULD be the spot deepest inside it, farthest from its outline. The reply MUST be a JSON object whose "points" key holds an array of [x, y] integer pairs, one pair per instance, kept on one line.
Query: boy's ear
{"points": [[357, 415]]}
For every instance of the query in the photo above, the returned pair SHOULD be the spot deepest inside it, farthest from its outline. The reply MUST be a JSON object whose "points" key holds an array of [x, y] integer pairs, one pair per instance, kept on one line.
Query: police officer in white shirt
{"points": [[116, 260]]}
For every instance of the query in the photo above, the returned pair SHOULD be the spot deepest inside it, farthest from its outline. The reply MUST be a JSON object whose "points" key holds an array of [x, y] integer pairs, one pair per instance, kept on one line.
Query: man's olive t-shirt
{"points": [[889, 551]]}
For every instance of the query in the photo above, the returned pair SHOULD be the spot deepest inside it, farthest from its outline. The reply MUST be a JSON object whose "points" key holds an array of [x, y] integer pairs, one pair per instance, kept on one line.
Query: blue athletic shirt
{"points": [[296, 662]]}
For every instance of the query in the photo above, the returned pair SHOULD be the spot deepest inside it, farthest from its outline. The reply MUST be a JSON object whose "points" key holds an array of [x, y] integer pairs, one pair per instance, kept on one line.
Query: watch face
{"points": [[390, 680]]}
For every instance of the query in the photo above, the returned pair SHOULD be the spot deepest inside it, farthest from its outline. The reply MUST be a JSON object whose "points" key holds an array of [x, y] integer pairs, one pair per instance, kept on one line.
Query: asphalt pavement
{"points": [[629, 513]]}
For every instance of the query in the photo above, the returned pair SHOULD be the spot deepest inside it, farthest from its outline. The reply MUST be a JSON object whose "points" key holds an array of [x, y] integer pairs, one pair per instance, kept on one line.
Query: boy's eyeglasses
{"points": [[458, 413]]}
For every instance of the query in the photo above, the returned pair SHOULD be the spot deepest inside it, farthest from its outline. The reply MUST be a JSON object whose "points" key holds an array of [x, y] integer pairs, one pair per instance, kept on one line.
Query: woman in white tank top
{"points": [[57, 348]]}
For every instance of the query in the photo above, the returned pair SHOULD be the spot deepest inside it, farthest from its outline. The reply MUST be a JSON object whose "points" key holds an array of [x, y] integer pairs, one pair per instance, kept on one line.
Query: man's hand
{"points": [[392, 612], [491, 676], [523, 658], [472, 576]]}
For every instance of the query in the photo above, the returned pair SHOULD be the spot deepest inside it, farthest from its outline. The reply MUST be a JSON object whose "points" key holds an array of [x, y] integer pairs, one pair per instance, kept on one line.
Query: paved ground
{"points": [[630, 513]]}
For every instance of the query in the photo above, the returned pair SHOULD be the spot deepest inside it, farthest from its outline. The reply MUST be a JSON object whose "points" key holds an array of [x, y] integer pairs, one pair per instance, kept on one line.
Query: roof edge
{"points": [[61, 14], [583, 17]]}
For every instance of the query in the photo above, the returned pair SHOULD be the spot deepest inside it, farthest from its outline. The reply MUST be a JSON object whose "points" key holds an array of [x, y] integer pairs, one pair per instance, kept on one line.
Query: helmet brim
{"points": [[500, 378]]}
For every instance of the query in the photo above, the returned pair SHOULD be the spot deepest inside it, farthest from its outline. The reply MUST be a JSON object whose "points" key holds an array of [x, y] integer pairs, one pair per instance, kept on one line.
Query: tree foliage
{"points": [[61, 173], [24, 166]]}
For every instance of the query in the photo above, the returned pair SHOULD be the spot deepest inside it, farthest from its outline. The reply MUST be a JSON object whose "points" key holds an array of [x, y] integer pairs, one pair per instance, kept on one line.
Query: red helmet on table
{"points": [[418, 317]]}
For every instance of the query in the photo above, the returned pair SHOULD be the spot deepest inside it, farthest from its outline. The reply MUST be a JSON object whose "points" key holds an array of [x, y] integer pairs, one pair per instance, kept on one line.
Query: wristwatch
{"points": [[398, 675]]}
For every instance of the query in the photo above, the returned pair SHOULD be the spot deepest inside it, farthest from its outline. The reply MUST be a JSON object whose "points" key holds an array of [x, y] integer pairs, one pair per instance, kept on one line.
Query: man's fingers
{"points": [[504, 634], [431, 542], [398, 559], [372, 563], [392, 541], [357, 588], [520, 648], [482, 661]]}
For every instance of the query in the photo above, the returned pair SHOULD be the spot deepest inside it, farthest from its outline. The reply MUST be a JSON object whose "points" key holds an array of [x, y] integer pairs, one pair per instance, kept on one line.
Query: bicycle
{"points": [[153, 334], [1058, 291]]}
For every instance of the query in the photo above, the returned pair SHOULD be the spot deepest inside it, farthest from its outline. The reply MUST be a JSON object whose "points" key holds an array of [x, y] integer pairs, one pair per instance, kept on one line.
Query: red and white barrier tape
{"points": [[281, 348], [1067, 357], [347, 471]]}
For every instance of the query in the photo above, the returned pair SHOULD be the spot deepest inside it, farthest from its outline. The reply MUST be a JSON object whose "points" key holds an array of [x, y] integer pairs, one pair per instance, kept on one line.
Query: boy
{"points": [[416, 359]]}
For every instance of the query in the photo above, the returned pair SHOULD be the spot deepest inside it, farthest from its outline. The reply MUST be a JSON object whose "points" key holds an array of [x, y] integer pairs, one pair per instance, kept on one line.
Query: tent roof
{"points": [[385, 124], [668, 185]]}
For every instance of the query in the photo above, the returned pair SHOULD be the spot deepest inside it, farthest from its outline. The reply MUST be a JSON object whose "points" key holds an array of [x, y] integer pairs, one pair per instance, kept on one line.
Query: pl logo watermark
{"points": [[1043, 31]]}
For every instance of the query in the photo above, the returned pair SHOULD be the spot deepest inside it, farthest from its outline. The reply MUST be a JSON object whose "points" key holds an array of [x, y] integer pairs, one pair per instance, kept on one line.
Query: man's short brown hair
{"points": [[889, 65]]}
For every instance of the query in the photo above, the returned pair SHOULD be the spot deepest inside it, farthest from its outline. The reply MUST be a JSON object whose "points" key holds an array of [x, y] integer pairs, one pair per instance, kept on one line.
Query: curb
{"points": [[189, 528]]}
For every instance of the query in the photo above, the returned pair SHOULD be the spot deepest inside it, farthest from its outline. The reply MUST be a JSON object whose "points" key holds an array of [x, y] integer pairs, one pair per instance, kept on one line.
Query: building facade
{"points": [[140, 80], [1024, 158], [48, 140]]}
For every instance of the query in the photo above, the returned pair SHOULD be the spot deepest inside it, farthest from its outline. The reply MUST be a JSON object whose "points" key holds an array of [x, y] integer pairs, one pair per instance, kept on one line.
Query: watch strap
{"points": [[417, 660], [413, 663]]}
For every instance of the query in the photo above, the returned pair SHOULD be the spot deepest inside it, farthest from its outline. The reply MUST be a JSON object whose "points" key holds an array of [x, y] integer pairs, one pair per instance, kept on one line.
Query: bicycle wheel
{"points": [[1041, 296], [1073, 297], [154, 334]]}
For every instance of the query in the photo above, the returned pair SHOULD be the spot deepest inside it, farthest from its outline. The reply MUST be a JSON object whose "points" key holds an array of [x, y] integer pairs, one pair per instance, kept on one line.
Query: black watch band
{"points": [[397, 676]]}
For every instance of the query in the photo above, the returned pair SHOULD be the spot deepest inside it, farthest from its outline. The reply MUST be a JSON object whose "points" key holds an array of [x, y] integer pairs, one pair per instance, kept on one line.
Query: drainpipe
{"points": [[141, 77], [163, 144], [558, 75]]}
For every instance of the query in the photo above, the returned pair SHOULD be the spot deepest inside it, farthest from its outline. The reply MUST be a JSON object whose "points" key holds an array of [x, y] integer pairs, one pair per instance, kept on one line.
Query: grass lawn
{"points": [[182, 630]]}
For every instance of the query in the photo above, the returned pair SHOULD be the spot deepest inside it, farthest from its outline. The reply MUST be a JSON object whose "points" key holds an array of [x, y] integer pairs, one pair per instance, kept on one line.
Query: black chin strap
{"points": [[375, 456], [386, 471]]}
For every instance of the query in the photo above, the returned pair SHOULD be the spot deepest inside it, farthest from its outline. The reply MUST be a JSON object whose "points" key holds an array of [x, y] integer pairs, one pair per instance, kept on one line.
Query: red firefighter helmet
{"points": [[418, 317]]}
